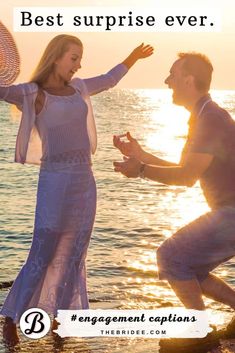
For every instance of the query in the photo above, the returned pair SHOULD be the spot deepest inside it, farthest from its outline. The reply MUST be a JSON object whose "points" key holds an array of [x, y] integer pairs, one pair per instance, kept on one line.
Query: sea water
{"points": [[134, 216]]}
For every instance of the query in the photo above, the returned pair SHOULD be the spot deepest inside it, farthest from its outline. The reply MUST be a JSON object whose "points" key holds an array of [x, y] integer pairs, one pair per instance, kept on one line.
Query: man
{"points": [[187, 258]]}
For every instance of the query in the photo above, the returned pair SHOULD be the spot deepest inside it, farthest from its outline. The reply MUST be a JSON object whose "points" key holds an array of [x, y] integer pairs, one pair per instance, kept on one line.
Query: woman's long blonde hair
{"points": [[54, 50]]}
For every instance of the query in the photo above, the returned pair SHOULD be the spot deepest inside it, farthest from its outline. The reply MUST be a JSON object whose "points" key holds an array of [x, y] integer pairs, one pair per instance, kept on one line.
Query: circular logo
{"points": [[35, 323]]}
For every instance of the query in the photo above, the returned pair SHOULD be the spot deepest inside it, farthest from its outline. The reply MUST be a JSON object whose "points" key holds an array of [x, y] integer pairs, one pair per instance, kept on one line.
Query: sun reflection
{"points": [[167, 127], [165, 135], [145, 266], [144, 242], [217, 317], [166, 233], [223, 273], [138, 280]]}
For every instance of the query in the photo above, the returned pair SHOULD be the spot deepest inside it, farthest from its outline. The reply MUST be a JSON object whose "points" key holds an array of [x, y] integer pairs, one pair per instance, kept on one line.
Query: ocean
{"points": [[133, 217]]}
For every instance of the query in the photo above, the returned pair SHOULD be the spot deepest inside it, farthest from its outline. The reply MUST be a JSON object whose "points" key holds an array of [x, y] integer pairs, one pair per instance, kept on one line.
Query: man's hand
{"points": [[130, 167], [130, 149]]}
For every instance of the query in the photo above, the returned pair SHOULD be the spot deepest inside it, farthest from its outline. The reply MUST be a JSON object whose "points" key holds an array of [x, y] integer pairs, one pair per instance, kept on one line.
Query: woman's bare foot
{"points": [[58, 341], [10, 335], [54, 325]]}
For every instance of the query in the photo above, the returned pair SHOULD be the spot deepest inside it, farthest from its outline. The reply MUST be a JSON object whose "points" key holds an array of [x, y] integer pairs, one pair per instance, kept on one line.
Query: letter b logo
{"points": [[35, 323]]}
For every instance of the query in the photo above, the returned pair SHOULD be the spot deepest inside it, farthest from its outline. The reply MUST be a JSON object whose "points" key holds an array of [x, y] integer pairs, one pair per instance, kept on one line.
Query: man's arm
{"points": [[132, 148], [148, 158], [185, 175]]}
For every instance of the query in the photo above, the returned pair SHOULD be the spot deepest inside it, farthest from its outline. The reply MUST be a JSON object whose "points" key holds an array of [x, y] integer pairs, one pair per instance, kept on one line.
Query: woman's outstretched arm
{"points": [[12, 94], [111, 78], [4, 92]]}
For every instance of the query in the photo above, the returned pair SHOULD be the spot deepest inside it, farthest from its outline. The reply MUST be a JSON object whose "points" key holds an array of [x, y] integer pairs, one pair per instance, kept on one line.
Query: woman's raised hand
{"points": [[143, 51], [140, 52]]}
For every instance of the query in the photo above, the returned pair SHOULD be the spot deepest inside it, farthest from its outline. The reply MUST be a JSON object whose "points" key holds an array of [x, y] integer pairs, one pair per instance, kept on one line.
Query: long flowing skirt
{"points": [[54, 274]]}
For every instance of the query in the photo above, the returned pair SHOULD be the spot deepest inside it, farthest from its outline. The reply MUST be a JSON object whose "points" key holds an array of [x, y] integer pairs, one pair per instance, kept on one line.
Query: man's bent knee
{"points": [[171, 265], [164, 259]]}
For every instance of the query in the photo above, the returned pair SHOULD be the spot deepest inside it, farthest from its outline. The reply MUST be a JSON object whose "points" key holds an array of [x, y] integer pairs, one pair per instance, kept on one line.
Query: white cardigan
{"points": [[28, 143]]}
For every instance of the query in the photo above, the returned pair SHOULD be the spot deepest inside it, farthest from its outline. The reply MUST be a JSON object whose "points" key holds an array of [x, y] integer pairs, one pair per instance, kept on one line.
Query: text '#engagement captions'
{"points": [[111, 19], [167, 322]]}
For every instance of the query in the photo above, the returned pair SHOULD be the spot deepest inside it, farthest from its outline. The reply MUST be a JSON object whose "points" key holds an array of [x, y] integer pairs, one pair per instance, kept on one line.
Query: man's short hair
{"points": [[200, 67]]}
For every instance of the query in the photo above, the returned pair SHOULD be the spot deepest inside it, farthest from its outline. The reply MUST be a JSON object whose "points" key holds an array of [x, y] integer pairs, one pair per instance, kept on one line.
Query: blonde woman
{"points": [[58, 132]]}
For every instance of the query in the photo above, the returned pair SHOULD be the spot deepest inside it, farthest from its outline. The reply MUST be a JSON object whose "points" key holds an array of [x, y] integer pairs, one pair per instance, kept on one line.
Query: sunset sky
{"points": [[104, 50]]}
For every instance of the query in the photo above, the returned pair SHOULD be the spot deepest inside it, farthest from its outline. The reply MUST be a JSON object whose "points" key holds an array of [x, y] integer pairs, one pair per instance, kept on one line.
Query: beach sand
{"points": [[227, 346], [52, 343]]}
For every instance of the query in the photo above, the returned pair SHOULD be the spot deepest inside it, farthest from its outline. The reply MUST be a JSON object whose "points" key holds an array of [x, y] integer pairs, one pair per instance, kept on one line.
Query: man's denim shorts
{"points": [[198, 248]]}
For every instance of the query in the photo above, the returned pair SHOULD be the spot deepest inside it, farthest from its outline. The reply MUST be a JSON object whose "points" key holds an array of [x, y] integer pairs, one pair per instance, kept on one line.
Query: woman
{"points": [[57, 130]]}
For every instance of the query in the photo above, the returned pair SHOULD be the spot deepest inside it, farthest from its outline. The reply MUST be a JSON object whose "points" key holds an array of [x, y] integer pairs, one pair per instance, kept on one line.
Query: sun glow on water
{"points": [[165, 137]]}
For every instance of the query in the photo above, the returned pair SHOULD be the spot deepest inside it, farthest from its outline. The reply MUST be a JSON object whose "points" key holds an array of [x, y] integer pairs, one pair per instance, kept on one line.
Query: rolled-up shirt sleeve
{"points": [[13, 94], [104, 82]]}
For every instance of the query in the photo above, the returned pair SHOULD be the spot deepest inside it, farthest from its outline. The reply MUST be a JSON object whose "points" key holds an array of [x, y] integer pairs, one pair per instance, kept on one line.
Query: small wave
{"points": [[138, 272], [6, 284]]}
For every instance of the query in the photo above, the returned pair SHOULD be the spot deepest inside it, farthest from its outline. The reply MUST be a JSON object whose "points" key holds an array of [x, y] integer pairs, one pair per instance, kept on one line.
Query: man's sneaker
{"points": [[192, 345], [229, 331]]}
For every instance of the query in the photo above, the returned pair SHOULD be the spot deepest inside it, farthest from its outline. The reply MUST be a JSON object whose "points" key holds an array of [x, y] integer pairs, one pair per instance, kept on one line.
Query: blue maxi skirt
{"points": [[54, 274]]}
